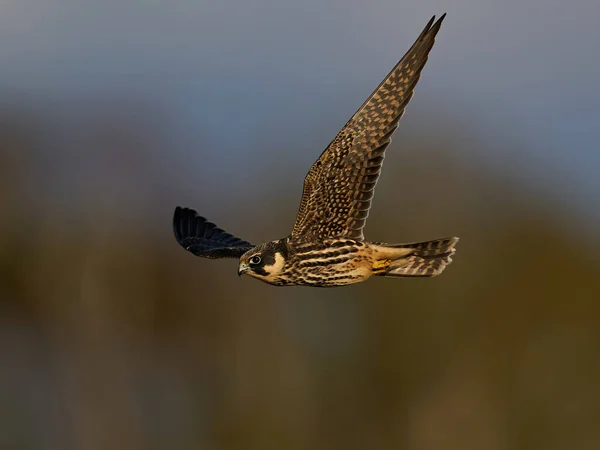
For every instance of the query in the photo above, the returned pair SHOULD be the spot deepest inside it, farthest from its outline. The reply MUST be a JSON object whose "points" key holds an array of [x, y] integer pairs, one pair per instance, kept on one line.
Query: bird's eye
{"points": [[255, 260]]}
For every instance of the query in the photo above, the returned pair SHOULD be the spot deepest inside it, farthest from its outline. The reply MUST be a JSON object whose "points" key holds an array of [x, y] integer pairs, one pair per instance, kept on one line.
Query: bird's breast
{"points": [[329, 263]]}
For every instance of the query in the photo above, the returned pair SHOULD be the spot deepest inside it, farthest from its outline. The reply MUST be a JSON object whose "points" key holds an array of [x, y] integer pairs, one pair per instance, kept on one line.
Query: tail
{"points": [[422, 259]]}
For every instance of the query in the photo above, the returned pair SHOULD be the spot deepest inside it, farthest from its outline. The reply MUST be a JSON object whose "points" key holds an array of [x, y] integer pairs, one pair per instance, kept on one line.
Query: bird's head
{"points": [[265, 261]]}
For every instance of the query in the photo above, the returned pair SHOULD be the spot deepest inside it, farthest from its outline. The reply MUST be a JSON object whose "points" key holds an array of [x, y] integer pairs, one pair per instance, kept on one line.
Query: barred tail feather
{"points": [[428, 259]]}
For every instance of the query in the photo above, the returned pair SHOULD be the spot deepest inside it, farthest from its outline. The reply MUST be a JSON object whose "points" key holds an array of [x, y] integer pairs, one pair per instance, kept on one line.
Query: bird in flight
{"points": [[326, 246]]}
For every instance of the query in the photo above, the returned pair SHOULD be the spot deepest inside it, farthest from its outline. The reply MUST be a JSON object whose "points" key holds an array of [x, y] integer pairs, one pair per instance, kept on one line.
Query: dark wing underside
{"points": [[203, 238], [339, 186]]}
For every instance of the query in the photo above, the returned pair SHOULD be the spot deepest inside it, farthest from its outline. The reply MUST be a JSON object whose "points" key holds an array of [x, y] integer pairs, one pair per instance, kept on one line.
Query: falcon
{"points": [[327, 246]]}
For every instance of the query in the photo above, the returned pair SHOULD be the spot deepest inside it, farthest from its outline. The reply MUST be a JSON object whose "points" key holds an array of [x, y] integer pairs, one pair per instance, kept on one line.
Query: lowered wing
{"points": [[205, 239]]}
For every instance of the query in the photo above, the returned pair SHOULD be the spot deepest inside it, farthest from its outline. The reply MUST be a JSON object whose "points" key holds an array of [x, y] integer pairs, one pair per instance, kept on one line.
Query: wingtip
{"points": [[177, 211], [177, 223], [432, 20], [438, 23], [433, 25], [183, 218], [181, 211]]}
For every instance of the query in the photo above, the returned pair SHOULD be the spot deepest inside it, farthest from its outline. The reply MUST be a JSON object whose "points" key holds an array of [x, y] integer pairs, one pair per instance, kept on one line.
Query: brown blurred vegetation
{"points": [[113, 337]]}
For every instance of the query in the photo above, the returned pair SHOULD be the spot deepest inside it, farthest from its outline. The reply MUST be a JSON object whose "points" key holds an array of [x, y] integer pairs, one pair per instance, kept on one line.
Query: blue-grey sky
{"points": [[520, 74]]}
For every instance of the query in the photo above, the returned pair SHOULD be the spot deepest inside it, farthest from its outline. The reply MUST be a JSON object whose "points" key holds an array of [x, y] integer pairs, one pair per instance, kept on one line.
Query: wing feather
{"points": [[205, 239], [339, 187]]}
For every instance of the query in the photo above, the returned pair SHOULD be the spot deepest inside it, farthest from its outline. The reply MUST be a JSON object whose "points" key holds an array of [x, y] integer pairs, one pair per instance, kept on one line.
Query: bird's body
{"points": [[339, 262], [331, 262], [326, 246]]}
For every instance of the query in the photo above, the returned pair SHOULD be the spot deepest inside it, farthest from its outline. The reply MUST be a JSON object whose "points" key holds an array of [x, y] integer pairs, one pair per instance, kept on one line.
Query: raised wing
{"points": [[339, 186], [203, 238]]}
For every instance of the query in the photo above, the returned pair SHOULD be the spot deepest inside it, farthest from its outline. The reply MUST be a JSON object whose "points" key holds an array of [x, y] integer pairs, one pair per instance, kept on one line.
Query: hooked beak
{"points": [[242, 268]]}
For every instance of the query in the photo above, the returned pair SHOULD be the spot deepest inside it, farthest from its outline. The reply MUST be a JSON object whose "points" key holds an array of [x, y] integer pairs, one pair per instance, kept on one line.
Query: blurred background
{"points": [[113, 337]]}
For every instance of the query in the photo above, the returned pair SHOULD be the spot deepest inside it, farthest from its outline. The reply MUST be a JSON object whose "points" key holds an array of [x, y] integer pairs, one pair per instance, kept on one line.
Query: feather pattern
{"points": [[339, 187], [203, 238]]}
